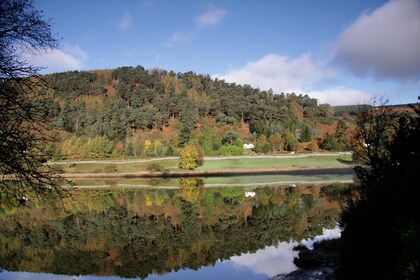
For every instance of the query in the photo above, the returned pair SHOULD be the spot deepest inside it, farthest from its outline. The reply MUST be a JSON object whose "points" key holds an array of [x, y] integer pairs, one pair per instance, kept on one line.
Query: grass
{"points": [[223, 164], [259, 163], [120, 168]]}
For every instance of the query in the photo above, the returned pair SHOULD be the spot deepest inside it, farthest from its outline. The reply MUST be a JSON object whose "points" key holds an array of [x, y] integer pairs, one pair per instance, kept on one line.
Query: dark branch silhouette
{"points": [[22, 102]]}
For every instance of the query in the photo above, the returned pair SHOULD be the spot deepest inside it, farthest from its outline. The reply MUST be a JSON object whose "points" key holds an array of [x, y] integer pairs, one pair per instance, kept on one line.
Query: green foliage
{"points": [[187, 121], [207, 142], [331, 143], [187, 228], [306, 134], [264, 144], [116, 103], [130, 150], [190, 157], [230, 150], [86, 147], [230, 137], [217, 142], [290, 141], [169, 152], [154, 166]]}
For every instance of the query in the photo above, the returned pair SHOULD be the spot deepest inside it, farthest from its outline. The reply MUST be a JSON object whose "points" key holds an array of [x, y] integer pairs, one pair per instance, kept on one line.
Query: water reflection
{"points": [[270, 261], [148, 232]]}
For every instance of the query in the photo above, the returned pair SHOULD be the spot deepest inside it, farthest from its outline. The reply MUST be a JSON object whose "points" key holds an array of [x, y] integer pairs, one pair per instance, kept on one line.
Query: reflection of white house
{"points": [[249, 146], [249, 194]]}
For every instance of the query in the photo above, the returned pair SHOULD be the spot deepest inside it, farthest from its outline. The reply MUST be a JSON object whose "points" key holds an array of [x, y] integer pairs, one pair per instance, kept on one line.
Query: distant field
{"points": [[259, 163], [219, 164]]}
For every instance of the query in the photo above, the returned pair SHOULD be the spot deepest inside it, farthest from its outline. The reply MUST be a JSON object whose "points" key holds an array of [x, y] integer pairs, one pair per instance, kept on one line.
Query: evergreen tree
{"points": [[290, 141], [207, 142]]}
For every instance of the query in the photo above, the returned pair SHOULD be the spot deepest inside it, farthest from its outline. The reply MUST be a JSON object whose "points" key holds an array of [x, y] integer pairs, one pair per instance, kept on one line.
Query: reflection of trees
{"points": [[134, 240], [190, 188]]}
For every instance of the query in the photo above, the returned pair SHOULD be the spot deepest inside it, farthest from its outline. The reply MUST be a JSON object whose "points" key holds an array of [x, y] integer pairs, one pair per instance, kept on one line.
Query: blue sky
{"points": [[341, 52]]}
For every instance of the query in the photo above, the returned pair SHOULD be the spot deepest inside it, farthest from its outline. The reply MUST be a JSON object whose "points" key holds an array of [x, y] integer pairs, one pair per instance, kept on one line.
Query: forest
{"points": [[134, 112]]}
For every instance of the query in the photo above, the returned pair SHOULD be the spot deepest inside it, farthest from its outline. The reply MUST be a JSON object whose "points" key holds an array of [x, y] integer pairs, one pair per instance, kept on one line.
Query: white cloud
{"points": [[340, 96], [210, 18], [270, 261], [125, 22], [278, 72], [179, 37], [385, 42], [299, 75], [58, 60]]}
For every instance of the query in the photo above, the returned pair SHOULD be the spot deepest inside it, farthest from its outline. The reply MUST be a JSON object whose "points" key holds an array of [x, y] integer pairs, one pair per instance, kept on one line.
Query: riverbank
{"points": [[213, 166], [336, 170]]}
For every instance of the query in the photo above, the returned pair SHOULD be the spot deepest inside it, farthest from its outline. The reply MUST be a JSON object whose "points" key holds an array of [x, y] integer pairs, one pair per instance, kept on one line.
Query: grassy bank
{"points": [[171, 165]]}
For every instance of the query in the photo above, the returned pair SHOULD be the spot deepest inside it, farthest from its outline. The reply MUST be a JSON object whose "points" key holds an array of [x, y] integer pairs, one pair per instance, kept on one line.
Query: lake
{"points": [[226, 228]]}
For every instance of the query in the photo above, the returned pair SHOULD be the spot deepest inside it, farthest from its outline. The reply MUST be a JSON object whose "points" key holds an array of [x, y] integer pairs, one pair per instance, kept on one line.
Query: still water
{"points": [[195, 230]]}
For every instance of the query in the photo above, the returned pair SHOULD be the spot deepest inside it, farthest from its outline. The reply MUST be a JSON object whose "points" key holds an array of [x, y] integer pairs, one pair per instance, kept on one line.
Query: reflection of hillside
{"points": [[139, 232]]}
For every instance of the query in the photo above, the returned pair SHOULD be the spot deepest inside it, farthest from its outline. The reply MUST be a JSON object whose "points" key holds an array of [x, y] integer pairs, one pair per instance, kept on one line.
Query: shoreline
{"points": [[340, 170]]}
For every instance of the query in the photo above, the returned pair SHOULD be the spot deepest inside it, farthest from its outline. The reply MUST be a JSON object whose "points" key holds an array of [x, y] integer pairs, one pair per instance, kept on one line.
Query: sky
{"points": [[340, 52]]}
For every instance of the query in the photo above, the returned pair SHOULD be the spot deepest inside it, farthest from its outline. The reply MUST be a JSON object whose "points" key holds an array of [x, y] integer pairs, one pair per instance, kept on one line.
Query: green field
{"points": [[219, 164], [260, 163]]}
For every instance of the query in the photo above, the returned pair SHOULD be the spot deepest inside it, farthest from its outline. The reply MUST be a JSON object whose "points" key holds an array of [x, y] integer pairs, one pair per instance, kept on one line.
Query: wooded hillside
{"points": [[137, 112]]}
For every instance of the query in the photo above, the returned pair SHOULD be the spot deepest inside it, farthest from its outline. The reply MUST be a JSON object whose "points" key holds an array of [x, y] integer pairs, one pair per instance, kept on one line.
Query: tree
{"points": [[190, 157], [230, 137], [381, 224], [306, 134], [23, 30], [276, 142], [264, 143], [290, 141], [207, 143], [374, 125], [187, 121]]}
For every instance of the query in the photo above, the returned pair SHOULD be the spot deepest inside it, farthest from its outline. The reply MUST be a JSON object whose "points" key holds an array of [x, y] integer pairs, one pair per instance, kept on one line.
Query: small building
{"points": [[248, 146]]}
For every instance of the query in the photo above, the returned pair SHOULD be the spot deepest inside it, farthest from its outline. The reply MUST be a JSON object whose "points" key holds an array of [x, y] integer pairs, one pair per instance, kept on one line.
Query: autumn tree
{"points": [[190, 157], [23, 30], [276, 142]]}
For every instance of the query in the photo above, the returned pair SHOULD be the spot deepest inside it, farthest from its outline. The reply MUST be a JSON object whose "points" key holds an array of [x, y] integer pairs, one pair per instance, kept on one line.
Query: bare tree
{"points": [[375, 125], [22, 110]]}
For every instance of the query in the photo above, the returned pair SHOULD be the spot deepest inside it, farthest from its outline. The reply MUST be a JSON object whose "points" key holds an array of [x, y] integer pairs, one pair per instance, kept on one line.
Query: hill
{"points": [[137, 112]]}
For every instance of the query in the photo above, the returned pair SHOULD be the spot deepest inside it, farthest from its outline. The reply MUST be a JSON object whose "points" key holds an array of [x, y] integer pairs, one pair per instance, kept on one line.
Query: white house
{"points": [[249, 146]]}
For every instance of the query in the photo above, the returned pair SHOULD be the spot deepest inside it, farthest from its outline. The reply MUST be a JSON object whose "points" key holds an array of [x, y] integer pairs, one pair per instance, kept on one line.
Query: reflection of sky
{"points": [[265, 263], [273, 260], [270, 260]]}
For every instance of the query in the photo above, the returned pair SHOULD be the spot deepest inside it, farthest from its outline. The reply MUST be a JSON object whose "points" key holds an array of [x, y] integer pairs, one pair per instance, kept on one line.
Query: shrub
{"points": [[230, 137], [290, 141], [190, 157], [230, 150], [154, 166], [313, 146]]}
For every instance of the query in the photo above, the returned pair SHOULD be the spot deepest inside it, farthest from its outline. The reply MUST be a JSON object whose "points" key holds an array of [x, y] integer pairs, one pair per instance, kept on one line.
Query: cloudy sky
{"points": [[341, 52]]}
